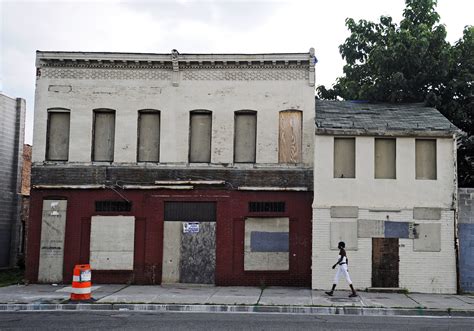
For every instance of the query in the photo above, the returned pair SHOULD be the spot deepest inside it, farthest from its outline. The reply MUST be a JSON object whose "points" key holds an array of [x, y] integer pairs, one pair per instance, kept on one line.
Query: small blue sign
{"points": [[190, 227]]}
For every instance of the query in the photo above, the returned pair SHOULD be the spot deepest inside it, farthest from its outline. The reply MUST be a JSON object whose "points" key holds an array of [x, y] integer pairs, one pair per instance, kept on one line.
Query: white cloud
{"points": [[158, 26]]}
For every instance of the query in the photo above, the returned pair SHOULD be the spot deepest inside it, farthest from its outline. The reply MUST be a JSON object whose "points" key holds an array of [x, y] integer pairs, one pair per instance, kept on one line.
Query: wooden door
{"points": [[385, 260]]}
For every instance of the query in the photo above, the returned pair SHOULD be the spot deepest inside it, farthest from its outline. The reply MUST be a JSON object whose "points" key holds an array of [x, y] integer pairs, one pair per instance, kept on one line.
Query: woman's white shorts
{"points": [[342, 270]]}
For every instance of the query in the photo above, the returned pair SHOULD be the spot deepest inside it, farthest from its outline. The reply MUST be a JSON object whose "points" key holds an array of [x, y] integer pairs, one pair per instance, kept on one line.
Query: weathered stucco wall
{"points": [[366, 199], [367, 192], [223, 91]]}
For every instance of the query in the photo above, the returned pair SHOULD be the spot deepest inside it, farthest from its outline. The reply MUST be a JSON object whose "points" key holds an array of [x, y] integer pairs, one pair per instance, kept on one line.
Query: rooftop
{"points": [[359, 118]]}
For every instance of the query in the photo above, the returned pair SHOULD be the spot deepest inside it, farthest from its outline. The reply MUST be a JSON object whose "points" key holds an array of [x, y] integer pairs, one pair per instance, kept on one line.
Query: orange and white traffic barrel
{"points": [[81, 282]]}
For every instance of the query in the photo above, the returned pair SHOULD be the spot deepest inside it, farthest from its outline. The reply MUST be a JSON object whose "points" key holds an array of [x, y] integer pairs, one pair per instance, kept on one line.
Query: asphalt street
{"points": [[125, 320]]}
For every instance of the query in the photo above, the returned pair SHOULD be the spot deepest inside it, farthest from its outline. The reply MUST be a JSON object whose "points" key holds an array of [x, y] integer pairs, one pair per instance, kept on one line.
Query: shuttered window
{"points": [[385, 158], [245, 135], [425, 150], [103, 135], [57, 141], [344, 157], [148, 136], [200, 136]]}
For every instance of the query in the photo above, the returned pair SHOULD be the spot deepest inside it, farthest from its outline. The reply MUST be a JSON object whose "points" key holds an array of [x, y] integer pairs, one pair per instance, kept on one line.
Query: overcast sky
{"points": [[218, 26]]}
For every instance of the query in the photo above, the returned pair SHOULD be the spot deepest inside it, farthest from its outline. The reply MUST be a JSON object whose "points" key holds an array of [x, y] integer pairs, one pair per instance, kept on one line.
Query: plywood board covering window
{"points": [[149, 136], [266, 244], [57, 140], [344, 157], [112, 241], [290, 137], [103, 135], [385, 158], [245, 135], [425, 151], [200, 137]]}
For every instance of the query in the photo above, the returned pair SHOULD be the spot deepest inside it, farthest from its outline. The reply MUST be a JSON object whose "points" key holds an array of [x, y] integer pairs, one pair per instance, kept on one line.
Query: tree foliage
{"points": [[412, 62]]}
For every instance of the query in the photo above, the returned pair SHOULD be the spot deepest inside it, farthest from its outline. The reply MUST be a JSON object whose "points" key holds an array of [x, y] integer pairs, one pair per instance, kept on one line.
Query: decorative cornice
{"points": [[175, 63]]}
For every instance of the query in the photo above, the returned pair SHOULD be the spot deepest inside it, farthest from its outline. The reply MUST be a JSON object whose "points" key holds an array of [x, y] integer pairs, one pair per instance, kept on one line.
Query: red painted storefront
{"points": [[148, 209]]}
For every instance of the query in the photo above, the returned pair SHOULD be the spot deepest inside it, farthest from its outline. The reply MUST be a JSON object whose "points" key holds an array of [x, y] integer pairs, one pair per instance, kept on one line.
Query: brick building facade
{"points": [[193, 168]]}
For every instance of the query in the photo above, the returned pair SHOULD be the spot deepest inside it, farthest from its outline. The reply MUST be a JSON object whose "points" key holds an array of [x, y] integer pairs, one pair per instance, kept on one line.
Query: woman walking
{"points": [[342, 262]]}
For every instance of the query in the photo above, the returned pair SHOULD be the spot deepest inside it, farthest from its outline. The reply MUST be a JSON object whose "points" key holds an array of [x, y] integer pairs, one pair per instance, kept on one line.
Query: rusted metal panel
{"points": [[385, 262], [290, 139]]}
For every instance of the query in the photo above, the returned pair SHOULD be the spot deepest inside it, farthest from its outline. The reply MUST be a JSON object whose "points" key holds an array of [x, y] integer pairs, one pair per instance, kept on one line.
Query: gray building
{"points": [[466, 239], [12, 129]]}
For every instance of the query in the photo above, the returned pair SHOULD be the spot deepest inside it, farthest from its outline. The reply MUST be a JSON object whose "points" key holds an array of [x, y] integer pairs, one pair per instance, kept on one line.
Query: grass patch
{"points": [[11, 276]]}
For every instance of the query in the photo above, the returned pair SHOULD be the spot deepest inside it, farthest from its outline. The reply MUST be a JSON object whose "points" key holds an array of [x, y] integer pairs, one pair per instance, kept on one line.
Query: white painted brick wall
{"points": [[430, 272]]}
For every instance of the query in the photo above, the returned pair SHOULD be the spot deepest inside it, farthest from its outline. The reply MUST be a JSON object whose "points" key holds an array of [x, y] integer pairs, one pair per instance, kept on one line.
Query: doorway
{"points": [[189, 243], [385, 262]]}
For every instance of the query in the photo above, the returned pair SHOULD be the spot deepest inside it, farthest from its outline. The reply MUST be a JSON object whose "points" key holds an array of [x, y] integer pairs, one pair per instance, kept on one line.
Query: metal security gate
{"points": [[189, 242], [385, 262]]}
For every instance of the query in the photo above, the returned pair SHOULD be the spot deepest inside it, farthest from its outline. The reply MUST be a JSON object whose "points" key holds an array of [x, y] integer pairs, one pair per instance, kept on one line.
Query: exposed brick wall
{"points": [[430, 272], [466, 239], [148, 209], [26, 170]]}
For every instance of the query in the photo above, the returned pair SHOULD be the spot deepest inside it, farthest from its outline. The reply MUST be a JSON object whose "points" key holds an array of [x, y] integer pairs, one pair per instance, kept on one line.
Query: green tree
{"points": [[412, 62]]}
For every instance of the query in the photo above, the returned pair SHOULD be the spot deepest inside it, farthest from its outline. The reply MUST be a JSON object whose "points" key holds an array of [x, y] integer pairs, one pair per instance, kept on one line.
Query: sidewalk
{"points": [[181, 297]]}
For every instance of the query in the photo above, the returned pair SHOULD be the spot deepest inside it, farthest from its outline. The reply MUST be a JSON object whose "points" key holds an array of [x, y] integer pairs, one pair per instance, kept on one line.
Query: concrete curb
{"points": [[359, 311]]}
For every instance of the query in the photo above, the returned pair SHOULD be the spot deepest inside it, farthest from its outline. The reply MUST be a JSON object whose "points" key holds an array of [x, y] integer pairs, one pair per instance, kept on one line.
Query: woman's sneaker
{"points": [[329, 293], [353, 295]]}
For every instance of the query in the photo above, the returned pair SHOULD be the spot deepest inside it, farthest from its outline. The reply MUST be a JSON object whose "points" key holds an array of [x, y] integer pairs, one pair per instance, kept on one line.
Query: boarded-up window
{"points": [[245, 136], [267, 244], [344, 157], [103, 135], [385, 158], [148, 136], [57, 141], [425, 150], [112, 241], [200, 136], [290, 137]]}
